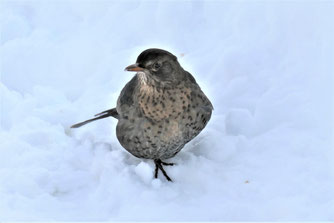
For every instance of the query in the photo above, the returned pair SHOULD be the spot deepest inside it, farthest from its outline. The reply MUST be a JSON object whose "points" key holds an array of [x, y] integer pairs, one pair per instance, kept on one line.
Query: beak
{"points": [[134, 67]]}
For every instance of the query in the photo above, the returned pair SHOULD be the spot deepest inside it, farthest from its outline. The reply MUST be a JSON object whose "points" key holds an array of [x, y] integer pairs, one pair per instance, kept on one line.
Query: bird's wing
{"points": [[203, 114], [126, 98], [197, 91], [202, 110]]}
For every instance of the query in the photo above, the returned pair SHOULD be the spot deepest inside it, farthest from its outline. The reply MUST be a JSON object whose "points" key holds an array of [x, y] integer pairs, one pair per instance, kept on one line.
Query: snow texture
{"points": [[266, 154]]}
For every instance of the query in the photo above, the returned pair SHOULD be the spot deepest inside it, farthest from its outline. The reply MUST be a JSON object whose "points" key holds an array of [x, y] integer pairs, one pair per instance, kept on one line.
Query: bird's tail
{"points": [[111, 112]]}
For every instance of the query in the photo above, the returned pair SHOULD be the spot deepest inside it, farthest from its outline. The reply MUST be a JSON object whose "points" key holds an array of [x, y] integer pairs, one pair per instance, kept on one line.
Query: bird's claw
{"points": [[167, 164], [158, 165]]}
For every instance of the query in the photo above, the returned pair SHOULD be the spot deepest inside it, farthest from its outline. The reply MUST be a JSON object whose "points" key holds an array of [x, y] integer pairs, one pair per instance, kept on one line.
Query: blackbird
{"points": [[159, 110]]}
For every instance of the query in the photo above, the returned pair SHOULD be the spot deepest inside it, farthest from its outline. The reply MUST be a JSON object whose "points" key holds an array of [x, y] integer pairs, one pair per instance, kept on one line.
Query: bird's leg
{"points": [[158, 166], [156, 170]]}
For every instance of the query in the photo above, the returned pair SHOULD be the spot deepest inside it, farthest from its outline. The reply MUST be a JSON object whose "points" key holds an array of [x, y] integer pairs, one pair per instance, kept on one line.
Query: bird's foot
{"points": [[158, 165], [167, 164]]}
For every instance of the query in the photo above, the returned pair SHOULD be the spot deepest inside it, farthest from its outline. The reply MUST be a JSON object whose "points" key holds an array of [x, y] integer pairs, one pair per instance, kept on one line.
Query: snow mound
{"points": [[266, 154]]}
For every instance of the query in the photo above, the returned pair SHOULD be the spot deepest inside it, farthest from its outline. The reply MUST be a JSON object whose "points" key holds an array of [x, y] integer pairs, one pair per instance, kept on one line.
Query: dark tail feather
{"points": [[88, 121], [111, 112]]}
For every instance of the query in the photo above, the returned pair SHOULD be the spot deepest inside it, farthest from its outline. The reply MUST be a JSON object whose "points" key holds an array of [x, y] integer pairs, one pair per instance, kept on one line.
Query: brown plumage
{"points": [[159, 110]]}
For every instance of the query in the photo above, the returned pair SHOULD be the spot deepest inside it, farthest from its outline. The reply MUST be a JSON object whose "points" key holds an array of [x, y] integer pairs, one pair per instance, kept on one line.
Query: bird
{"points": [[159, 110]]}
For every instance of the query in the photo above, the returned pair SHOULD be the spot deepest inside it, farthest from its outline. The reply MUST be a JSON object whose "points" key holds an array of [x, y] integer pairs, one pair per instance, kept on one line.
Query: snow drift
{"points": [[266, 154]]}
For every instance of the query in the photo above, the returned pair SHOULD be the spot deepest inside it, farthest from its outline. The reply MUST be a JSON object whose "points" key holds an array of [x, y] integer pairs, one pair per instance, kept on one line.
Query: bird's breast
{"points": [[159, 104]]}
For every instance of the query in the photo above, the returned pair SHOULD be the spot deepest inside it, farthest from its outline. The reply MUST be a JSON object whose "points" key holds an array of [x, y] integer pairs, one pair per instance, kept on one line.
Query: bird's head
{"points": [[158, 67]]}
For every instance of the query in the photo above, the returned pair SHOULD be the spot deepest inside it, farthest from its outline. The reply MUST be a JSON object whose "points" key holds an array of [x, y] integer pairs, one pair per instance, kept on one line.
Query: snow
{"points": [[266, 154]]}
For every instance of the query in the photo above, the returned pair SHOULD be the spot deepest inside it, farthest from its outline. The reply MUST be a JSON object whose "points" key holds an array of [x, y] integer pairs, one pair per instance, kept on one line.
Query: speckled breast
{"points": [[159, 104], [157, 130], [161, 121]]}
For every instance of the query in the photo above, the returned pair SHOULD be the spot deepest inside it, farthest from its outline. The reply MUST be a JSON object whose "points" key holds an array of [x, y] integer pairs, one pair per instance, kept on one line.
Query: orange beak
{"points": [[134, 67]]}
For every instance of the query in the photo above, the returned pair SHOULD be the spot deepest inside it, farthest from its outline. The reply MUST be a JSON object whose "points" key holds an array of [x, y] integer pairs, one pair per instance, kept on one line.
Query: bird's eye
{"points": [[156, 66]]}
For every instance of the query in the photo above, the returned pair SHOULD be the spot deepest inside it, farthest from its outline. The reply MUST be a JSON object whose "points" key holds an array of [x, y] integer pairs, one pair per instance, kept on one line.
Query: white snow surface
{"points": [[266, 154]]}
